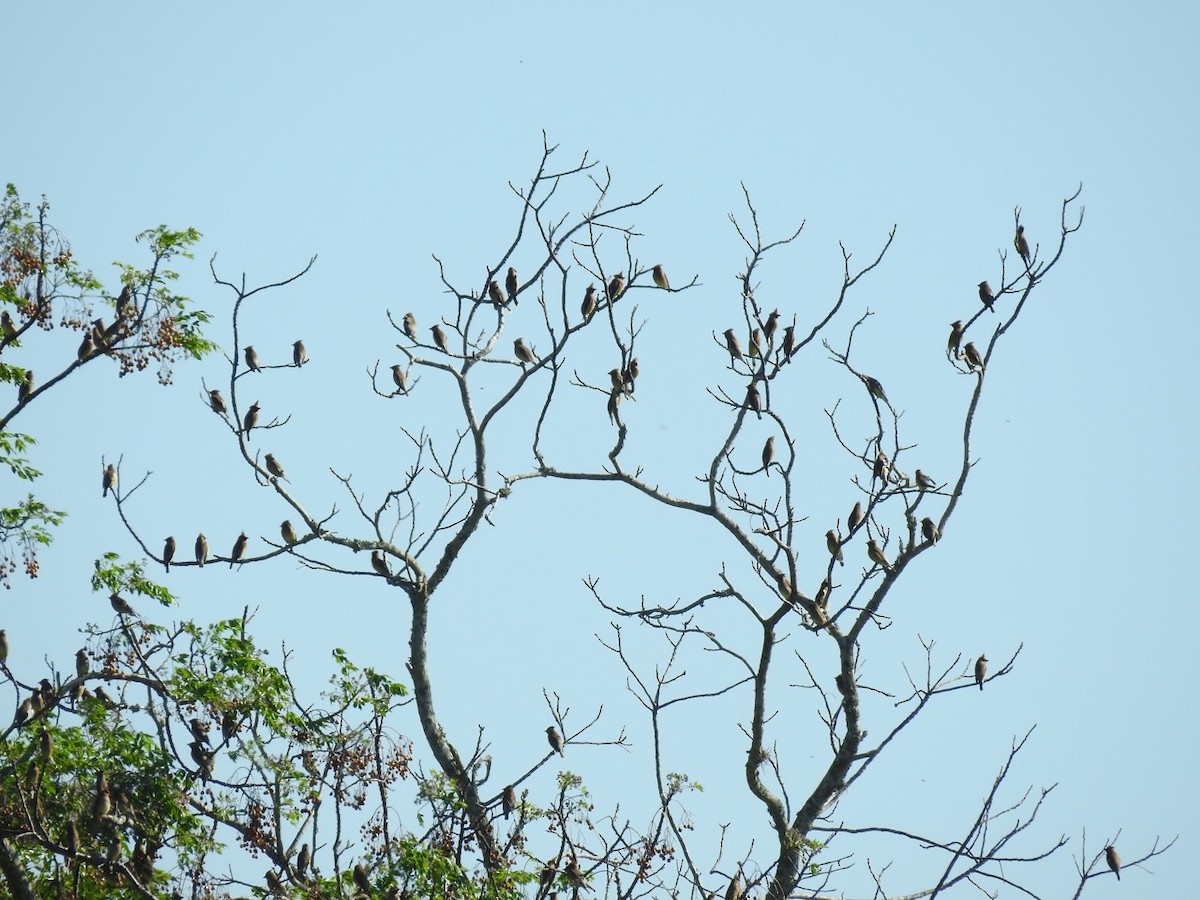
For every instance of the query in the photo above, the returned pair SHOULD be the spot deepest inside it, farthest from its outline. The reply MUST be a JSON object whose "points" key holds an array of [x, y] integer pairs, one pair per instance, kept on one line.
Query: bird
{"points": [[753, 399], [24, 712], [216, 401], [986, 296], [546, 878], [924, 482], [1113, 860], [71, 838], [770, 325], [168, 553], [122, 305], [201, 550], [110, 479], [614, 400], [956, 333], [102, 801], [973, 357], [25, 391], [880, 469], [784, 584], [399, 379], [252, 362], [274, 885], [856, 517], [980, 670], [822, 598], [274, 467], [523, 353], [789, 342], [573, 872], [509, 800], [556, 741], [733, 345], [379, 564], [299, 354], [98, 334], [630, 375], [199, 732], [495, 294], [120, 605], [874, 387], [616, 287], [239, 549], [510, 285], [229, 725], [768, 454], [588, 307], [3, 646], [251, 419], [87, 348], [47, 741], [834, 545], [734, 891], [7, 327], [410, 326], [617, 379], [439, 339], [929, 530], [203, 759], [1021, 244], [361, 880], [875, 553], [660, 277], [756, 341], [303, 858], [287, 532]]}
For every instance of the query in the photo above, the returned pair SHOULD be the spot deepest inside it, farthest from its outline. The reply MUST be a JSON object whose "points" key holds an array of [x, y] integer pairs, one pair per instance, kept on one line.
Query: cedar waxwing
{"points": [[754, 400], [768, 454], [168, 553], [24, 712], [874, 387], [199, 732], [123, 301], [1114, 861], [784, 584], [616, 287], [881, 468], [617, 379], [547, 877], [87, 348], [822, 598], [410, 326], [556, 741], [523, 353], [1021, 244], [588, 307], [510, 285], [47, 740], [733, 345], [856, 517], [439, 339], [614, 400], [101, 801], [203, 759], [399, 379], [201, 550], [216, 401], [103, 699], [303, 858], [252, 362], [229, 725], [573, 872], [379, 564], [756, 342], [630, 375], [239, 549], [287, 532], [509, 800], [494, 293], [929, 530], [274, 885], [770, 325], [251, 420], [956, 333], [48, 693], [924, 482], [120, 605], [299, 354], [980, 670], [361, 880], [660, 277], [274, 467], [789, 342], [98, 333], [973, 357], [986, 296], [7, 327], [834, 546], [110, 479], [71, 838], [734, 891], [875, 553], [25, 390], [4, 646]]}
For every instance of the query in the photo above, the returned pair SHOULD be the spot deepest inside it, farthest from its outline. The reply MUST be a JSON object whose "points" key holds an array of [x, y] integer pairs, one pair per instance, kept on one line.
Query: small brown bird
{"points": [[924, 482], [410, 326], [7, 328], [71, 838], [495, 294], [770, 325], [756, 343], [101, 801], [1113, 860], [789, 342], [784, 584], [986, 297], [1021, 245], [556, 741], [120, 605], [25, 390], [252, 362], [287, 532], [523, 353], [956, 333], [303, 858], [874, 387], [4, 646], [546, 878], [299, 354], [768, 454], [47, 741], [251, 419], [87, 347], [630, 375], [573, 872], [881, 468], [239, 549], [201, 550], [399, 379], [110, 479], [754, 399], [617, 379], [199, 732], [822, 598], [616, 287], [229, 725], [508, 800], [439, 339], [379, 564], [274, 467], [875, 553], [274, 885], [734, 891], [216, 401], [122, 305], [510, 286], [733, 345], [24, 712], [834, 545], [660, 277], [81, 663], [614, 401], [856, 517], [98, 333], [980, 670], [203, 759], [168, 553], [929, 530], [973, 357], [361, 880], [588, 307]]}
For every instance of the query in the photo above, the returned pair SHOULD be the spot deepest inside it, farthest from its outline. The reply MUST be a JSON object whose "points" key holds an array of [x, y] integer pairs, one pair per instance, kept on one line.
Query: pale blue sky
{"points": [[375, 135]]}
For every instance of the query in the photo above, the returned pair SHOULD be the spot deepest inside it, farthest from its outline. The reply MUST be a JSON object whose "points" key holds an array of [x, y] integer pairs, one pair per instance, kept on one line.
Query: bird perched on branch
{"points": [[250, 422], [439, 339], [980, 670], [399, 379], [924, 482], [239, 549], [203, 759], [201, 550], [616, 287], [973, 357], [252, 362], [556, 741], [523, 353], [834, 545], [110, 479], [495, 294], [875, 554], [1113, 860], [379, 564], [216, 401], [789, 342], [881, 468], [1021, 245], [287, 532], [508, 800], [86, 348], [361, 879], [733, 345], [875, 388], [856, 517], [660, 277], [929, 530], [410, 326], [510, 286], [168, 553], [754, 399], [770, 325], [120, 605], [25, 389], [986, 297], [274, 467], [630, 375], [768, 454], [299, 354], [588, 307], [956, 333]]}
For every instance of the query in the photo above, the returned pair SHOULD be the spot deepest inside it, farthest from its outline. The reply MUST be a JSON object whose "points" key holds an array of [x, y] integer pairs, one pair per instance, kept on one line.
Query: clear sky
{"points": [[375, 135]]}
